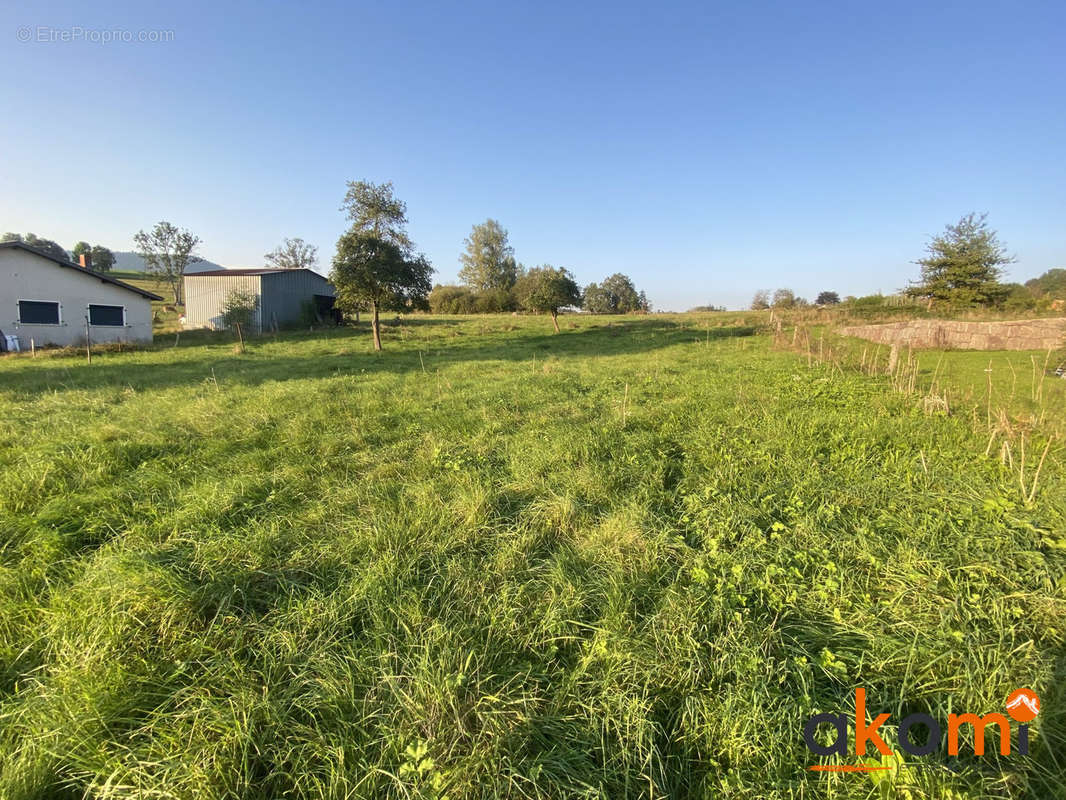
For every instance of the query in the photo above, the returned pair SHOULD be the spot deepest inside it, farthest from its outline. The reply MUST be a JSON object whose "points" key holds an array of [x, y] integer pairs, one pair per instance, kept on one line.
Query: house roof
{"points": [[105, 278]]}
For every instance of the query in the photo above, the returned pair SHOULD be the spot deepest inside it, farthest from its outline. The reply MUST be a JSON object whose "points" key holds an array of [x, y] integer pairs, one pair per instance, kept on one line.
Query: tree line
{"points": [[962, 268], [376, 267], [492, 281]]}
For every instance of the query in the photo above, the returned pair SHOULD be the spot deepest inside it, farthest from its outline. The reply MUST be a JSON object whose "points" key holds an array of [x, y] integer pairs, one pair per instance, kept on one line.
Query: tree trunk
{"points": [[555, 320], [176, 286], [357, 316], [375, 326]]}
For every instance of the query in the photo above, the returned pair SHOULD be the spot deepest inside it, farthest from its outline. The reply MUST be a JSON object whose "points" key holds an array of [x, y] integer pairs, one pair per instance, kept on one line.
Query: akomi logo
{"points": [[1022, 705]]}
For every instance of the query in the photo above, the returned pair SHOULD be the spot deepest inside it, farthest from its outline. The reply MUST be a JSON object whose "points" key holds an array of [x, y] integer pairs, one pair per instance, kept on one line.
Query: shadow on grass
{"points": [[342, 351]]}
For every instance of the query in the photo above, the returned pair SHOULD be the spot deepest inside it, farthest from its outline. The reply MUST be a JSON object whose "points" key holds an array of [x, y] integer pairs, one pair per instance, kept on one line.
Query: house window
{"points": [[112, 316], [35, 312]]}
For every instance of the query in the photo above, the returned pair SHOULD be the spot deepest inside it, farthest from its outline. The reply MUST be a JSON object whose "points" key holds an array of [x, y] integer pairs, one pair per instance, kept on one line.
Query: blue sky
{"points": [[705, 149]]}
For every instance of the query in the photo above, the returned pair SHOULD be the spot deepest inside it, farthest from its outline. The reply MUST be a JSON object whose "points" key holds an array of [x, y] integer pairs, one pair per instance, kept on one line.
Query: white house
{"points": [[52, 301]]}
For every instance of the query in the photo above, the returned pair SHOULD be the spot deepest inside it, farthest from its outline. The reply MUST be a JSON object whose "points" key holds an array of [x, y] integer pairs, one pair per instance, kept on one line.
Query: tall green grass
{"points": [[624, 561]]}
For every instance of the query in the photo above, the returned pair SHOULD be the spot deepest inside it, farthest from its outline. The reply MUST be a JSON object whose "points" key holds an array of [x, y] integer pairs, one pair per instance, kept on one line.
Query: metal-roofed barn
{"points": [[283, 294]]}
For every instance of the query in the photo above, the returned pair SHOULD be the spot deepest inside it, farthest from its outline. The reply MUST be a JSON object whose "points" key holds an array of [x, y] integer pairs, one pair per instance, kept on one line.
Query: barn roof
{"points": [[261, 271]]}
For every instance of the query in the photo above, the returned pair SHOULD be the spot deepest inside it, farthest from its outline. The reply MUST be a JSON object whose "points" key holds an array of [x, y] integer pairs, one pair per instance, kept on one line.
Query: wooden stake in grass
{"points": [[88, 343]]}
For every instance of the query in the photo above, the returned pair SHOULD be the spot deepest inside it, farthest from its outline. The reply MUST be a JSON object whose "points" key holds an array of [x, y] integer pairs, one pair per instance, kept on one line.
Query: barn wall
{"points": [[284, 294], [205, 296]]}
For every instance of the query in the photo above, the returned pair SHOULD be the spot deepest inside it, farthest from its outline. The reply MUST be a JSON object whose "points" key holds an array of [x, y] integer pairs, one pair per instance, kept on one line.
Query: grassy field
{"points": [[628, 560]]}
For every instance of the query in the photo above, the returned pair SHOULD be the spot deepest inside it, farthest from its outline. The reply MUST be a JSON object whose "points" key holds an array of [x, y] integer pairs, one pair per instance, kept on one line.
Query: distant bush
{"points": [[239, 307], [1052, 282], [462, 300], [1018, 298], [881, 301]]}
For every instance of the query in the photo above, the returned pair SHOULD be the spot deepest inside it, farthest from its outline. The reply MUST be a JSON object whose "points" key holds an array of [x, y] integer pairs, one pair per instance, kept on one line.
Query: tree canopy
{"points": [[488, 260], [38, 242], [101, 259], [548, 289], [827, 299], [373, 208], [784, 298], [293, 254], [375, 265], [373, 272], [596, 300], [167, 250], [615, 295], [1051, 283], [964, 265]]}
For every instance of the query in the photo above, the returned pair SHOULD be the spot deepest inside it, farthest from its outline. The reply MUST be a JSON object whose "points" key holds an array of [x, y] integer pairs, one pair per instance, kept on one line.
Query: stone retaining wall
{"points": [[1028, 334]]}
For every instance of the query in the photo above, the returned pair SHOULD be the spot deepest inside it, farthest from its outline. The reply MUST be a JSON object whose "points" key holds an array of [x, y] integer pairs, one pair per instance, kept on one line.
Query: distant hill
{"points": [[131, 262]]}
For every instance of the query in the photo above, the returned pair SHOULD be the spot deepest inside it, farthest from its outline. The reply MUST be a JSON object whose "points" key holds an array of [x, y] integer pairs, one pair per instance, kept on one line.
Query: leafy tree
{"points": [[100, 258], [239, 307], [167, 250], [488, 261], [784, 298], [827, 299], [616, 295], [293, 254], [596, 300], [38, 242], [372, 208], [623, 294], [547, 289], [760, 301], [374, 272], [963, 265], [103, 258]]}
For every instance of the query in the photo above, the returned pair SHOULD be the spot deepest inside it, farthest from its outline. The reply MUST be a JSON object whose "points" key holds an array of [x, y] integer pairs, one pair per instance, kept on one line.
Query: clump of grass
{"points": [[634, 569]]}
